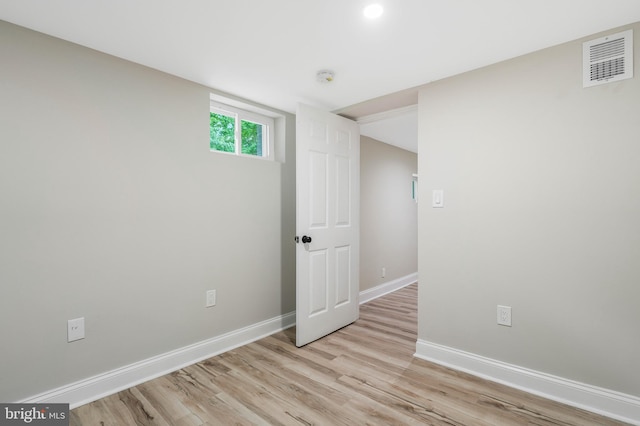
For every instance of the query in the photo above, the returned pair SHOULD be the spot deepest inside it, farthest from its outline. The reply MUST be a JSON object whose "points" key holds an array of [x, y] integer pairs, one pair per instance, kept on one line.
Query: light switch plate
{"points": [[438, 198], [211, 298]]}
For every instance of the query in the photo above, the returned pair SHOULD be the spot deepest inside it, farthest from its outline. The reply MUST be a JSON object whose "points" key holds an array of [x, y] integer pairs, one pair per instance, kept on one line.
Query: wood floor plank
{"points": [[363, 374]]}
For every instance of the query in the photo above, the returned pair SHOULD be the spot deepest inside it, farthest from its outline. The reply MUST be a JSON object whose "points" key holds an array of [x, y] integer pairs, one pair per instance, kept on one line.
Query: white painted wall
{"points": [[113, 208], [542, 208]]}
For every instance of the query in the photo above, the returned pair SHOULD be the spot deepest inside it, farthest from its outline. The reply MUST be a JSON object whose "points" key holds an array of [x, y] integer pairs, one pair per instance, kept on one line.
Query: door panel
{"points": [[318, 190], [318, 283], [327, 185], [343, 195], [343, 276]]}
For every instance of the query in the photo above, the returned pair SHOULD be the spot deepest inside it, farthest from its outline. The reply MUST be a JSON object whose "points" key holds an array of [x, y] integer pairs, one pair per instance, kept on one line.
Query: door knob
{"points": [[306, 239]]}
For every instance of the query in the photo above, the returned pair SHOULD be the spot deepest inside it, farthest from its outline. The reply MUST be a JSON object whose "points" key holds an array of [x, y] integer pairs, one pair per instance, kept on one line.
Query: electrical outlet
{"points": [[75, 329], [504, 315], [384, 272], [211, 298]]}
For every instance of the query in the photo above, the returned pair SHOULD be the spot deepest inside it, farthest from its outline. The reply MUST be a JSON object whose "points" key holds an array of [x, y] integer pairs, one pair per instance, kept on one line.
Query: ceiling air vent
{"points": [[608, 59]]}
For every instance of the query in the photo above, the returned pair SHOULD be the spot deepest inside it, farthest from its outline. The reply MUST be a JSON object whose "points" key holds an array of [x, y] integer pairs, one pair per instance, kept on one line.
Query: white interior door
{"points": [[328, 211]]}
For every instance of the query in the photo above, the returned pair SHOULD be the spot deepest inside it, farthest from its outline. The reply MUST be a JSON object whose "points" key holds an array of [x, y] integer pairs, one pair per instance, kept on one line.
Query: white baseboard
{"points": [[96, 387], [388, 287], [598, 400], [110, 382]]}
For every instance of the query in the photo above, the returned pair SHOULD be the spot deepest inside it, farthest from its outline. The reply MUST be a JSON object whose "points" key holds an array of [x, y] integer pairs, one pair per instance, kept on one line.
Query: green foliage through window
{"points": [[251, 138], [222, 135]]}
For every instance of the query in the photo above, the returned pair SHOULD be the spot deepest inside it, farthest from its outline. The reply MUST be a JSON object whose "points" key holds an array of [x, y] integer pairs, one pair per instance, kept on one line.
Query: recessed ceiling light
{"points": [[373, 11]]}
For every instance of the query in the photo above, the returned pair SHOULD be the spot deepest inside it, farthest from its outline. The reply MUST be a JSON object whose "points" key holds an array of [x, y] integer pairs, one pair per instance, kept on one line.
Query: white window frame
{"points": [[243, 115]]}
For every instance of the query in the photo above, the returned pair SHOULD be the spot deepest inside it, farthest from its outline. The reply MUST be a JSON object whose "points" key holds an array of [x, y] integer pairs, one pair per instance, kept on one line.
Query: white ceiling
{"points": [[270, 50], [397, 127]]}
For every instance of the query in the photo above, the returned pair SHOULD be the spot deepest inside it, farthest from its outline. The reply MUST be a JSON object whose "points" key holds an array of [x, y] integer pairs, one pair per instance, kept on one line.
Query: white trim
{"points": [[592, 398], [392, 113], [386, 288], [243, 105], [101, 385]]}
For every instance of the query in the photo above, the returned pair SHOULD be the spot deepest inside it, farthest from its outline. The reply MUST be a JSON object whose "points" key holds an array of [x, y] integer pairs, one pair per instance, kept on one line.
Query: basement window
{"points": [[240, 132]]}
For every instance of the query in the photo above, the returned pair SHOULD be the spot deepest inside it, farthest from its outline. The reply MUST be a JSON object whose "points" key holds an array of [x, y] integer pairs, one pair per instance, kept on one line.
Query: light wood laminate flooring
{"points": [[363, 374]]}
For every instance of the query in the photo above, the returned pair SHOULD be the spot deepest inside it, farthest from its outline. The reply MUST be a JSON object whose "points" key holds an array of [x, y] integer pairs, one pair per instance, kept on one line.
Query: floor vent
{"points": [[608, 59]]}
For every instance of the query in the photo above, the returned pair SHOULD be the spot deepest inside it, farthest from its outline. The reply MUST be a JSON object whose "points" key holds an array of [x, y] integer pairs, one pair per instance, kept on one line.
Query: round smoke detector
{"points": [[325, 76]]}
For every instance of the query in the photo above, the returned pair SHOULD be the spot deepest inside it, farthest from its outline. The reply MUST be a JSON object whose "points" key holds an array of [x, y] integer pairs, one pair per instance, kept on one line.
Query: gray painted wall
{"points": [[542, 213], [113, 208], [388, 218]]}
